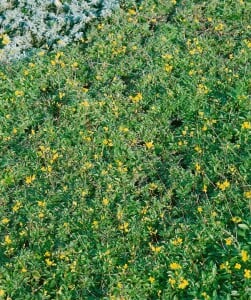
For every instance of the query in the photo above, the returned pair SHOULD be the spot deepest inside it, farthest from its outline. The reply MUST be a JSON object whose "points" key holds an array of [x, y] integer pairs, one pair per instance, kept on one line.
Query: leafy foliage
{"points": [[125, 159]]}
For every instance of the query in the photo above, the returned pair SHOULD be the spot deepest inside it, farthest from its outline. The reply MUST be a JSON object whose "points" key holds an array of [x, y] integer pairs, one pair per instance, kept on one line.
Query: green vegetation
{"points": [[125, 159]]}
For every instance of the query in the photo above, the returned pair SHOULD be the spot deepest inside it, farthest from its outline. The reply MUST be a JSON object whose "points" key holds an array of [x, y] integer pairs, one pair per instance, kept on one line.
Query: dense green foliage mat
{"points": [[125, 159]]}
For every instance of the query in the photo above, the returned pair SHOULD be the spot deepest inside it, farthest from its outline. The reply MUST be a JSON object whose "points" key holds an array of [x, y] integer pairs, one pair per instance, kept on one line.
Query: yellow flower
{"points": [[237, 266], [46, 169], [75, 65], [107, 142], [204, 189], [177, 241], [19, 93], [123, 129], [247, 274], [248, 43], [202, 89], [17, 206], [23, 270], [167, 56], [246, 125], [41, 215], [7, 240], [172, 281], [219, 27], [23, 233], [200, 209], [119, 214], [214, 214], [224, 185], [196, 50], [5, 221], [5, 39], [95, 224], [149, 145], [175, 266], [2, 292], [225, 266], [247, 194], [153, 186], [244, 255], [168, 68], [135, 99], [124, 227], [49, 262], [198, 149], [41, 53], [85, 90], [105, 201], [30, 179], [61, 95], [41, 203], [205, 295], [197, 167], [100, 26], [151, 279], [183, 284], [132, 12], [47, 254], [87, 166], [236, 219], [85, 103], [156, 249], [229, 241]]}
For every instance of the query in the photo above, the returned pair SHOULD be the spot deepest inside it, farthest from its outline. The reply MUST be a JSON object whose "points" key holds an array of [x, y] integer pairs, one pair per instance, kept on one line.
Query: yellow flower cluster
{"points": [[175, 266], [202, 89], [246, 125], [30, 179], [124, 227], [244, 255], [223, 185], [135, 99], [155, 249], [182, 284], [177, 241]]}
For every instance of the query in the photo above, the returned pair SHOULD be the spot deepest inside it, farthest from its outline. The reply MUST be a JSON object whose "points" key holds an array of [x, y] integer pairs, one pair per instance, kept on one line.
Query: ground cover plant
{"points": [[28, 25], [125, 159]]}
